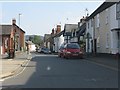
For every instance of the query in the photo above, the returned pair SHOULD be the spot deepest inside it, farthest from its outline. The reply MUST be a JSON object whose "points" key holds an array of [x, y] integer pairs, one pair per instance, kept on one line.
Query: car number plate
{"points": [[75, 54]]}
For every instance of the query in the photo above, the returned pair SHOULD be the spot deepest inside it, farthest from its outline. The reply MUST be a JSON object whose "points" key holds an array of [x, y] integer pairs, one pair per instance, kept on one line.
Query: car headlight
{"points": [[80, 52]]}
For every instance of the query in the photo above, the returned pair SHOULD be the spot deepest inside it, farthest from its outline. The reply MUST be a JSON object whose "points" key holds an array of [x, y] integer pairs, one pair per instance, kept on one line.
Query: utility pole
{"points": [[19, 33]]}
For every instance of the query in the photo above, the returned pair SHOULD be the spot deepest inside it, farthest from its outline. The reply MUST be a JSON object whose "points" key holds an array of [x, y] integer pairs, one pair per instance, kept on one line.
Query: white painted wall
{"points": [[114, 42], [61, 40], [32, 48], [113, 25], [113, 21], [58, 41], [48, 45], [90, 31]]}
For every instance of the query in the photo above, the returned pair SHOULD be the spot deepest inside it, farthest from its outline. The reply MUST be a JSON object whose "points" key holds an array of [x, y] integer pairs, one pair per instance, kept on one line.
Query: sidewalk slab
{"points": [[13, 66], [104, 59]]}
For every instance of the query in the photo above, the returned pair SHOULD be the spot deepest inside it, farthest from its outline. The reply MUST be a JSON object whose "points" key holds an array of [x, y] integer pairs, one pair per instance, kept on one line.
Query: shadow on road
{"points": [[50, 71]]}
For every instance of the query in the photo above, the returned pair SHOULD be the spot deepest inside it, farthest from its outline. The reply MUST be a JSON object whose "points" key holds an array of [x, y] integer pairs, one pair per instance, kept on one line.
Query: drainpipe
{"points": [[118, 32], [93, 35]]}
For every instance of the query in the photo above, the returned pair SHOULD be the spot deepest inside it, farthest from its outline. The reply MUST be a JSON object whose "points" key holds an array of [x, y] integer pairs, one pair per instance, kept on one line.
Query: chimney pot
{"points": [[14, 21]]}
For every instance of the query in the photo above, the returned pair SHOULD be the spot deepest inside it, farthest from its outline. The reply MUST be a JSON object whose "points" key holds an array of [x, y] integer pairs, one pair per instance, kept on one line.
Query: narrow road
{"points": [[49, 71]]}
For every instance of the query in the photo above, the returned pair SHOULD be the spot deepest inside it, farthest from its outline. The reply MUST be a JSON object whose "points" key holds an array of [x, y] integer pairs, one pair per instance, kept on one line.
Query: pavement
{"points": [[103, 59], [10, 67]]}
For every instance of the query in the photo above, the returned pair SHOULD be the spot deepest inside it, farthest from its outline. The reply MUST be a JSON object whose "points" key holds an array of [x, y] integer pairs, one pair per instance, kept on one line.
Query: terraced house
{"points": [[103, 30]]}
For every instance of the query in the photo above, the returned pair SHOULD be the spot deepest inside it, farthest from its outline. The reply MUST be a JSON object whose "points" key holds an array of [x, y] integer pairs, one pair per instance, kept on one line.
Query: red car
{"points": [[72, 50]]}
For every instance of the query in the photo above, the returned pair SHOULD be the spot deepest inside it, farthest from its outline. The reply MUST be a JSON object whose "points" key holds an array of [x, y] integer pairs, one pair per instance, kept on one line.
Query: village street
{"points": [[33, 37], [50, 71]]}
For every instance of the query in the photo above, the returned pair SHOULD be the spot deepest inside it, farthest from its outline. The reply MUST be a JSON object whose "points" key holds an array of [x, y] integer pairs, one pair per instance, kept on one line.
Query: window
{"points": [[98, 21], [107, 40], [106, 19], [118, 7], [73, 46], [98, 42], [75, 33], [6, 43], [118, 10], [72, 34], [92, 23], [88, 24], [106, 16], [68, 37]]}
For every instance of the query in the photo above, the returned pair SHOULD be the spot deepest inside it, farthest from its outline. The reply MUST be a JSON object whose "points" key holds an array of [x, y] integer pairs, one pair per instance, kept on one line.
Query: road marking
{"points": [[48, 68], [10, 59], [92, 79], [103, 65]]}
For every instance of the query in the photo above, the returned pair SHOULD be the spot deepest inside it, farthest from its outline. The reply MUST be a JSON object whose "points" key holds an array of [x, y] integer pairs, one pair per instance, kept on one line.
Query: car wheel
{"points": [[66, 57], [81, 57], [59, 55]]}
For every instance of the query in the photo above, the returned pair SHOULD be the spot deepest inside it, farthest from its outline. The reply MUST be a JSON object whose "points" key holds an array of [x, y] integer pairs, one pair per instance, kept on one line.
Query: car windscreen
{"points": [[73, 46]]}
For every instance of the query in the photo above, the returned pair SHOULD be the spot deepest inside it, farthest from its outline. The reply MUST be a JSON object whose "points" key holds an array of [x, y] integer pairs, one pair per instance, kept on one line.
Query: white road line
{"points": [[103, 65]]}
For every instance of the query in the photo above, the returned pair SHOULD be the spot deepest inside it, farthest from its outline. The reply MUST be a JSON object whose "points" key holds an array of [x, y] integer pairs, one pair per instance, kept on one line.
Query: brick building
{"points": [[12, 38]]}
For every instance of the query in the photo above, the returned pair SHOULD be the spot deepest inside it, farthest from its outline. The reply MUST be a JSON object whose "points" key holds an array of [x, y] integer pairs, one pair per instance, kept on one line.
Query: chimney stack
{"points": [[13, 21], [58, 29], [53, 31]]}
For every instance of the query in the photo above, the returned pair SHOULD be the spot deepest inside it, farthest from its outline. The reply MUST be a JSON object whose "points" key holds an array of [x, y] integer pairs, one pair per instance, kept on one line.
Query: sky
{"points": [[39, 18]]}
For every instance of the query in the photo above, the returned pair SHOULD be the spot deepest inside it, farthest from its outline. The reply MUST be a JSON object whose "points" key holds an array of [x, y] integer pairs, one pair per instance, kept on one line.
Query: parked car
{"points": [[39, 50], [45, 50], [72, 50], [60, 52]]}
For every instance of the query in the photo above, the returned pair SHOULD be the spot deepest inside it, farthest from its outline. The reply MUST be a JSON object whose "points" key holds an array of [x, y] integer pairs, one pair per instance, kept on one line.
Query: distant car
{"points": [[39, 50], [72, 50], [45, 50]]}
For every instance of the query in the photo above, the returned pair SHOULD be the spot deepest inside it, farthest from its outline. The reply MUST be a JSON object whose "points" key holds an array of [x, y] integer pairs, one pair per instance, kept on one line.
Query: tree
{"points": [[30, 38], [37, 40]]}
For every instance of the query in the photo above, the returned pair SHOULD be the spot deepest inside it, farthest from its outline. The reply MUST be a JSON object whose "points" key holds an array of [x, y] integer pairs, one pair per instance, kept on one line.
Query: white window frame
{"points": [[107, 40], [75, 33], [106, 16], [92, 22], [98, 42]]}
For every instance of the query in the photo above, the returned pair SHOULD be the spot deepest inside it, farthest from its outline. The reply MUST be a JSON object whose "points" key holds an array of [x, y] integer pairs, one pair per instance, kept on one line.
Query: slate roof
{"points": [[20, 28], [101, 8], [81, 30], [69, 27], [47, 36], [57, 35], [6, 29]]}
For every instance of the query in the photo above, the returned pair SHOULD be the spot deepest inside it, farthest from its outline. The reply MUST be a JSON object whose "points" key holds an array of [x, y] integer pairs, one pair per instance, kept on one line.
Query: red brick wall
{"points": [[22, 39]]}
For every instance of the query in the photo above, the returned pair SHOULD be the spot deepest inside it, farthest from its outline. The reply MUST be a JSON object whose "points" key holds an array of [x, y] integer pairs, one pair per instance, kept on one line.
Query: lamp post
{"points": [[19, 32]]}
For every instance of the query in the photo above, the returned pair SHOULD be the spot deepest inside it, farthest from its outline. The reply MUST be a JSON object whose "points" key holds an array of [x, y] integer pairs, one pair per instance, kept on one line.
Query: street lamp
{"points": [[19, 31]]}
